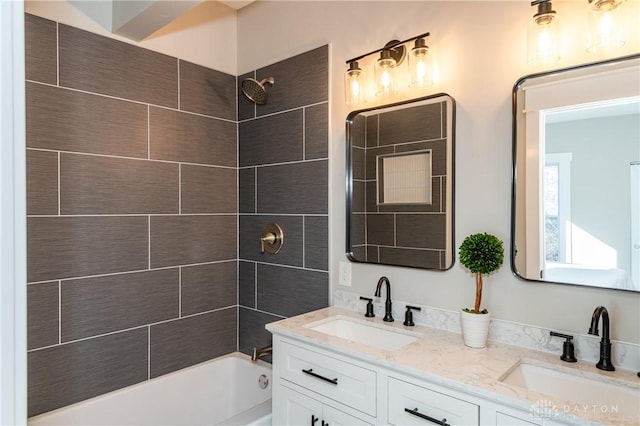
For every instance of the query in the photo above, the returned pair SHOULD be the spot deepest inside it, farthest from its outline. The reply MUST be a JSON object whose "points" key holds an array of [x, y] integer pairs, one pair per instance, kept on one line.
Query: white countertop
{"points": [[441, 358]]}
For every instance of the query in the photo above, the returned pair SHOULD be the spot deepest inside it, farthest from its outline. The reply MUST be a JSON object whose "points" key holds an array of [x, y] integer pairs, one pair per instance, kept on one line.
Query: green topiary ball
{"points": [[482, 253]]}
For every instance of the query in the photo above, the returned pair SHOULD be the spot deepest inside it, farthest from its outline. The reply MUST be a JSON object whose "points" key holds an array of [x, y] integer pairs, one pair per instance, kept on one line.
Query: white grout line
{"points": [[283, 111], [59, 311], [131, 101], [313, 160], [122, 157], [148, 132], [255, 284], [300, 268], [140, 215], [180, 292], [255, 190], [59, 199], [304, 248], [149, 352], [57, 54], [304, 132], [180, 188], [149, 240]]}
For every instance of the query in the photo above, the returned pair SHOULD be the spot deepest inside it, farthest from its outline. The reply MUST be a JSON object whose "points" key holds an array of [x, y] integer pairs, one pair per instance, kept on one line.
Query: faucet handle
{"points": [[408, 315], [567, 347], [369, 313]]}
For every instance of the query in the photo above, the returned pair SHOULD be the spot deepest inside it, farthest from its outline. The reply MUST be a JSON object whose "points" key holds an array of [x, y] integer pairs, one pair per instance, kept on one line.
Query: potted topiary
{"points": [[480, 254]]}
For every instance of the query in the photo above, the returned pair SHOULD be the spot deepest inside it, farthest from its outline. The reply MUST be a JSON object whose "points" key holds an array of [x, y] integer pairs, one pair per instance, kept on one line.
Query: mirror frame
{"points": [[349, 179], [514, 169]]}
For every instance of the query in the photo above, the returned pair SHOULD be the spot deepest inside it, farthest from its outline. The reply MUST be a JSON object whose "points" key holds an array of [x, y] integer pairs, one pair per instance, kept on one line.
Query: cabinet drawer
{"points": [[337, 380], [427, 407]]}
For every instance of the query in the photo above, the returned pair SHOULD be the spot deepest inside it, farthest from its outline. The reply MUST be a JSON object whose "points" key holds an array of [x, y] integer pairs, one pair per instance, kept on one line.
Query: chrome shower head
{"points": [[255, 91]]}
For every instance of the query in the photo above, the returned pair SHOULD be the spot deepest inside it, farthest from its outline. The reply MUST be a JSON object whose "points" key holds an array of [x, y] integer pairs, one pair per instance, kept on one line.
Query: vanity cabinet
{"points": [[410, 404], [321, 387]]}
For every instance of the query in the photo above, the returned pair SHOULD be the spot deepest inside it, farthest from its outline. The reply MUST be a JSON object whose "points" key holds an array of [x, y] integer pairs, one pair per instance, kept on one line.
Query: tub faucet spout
{"points": [[387, 305], [605, 344], [261, 352]]}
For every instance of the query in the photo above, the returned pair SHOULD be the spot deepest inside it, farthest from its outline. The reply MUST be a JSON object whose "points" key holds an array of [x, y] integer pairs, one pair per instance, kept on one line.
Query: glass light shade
{"points": [[385, 74], [420, 68], [543, 38], [606, 26], [353, 84]]}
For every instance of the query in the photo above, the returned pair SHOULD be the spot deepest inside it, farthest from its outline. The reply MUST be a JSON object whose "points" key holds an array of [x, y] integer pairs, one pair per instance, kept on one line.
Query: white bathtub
{"points": [[223, 391]]}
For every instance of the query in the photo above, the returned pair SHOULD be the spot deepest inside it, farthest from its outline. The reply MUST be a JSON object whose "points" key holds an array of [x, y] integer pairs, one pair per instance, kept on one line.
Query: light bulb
{"points": [[419, 64], [385, 67], [606, 26], [353, 80], [543, 34]]}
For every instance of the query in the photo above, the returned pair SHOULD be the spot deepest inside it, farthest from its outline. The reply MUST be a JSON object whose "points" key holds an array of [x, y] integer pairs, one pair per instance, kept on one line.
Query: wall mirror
{"points": [[576, 175], [400, 183]]}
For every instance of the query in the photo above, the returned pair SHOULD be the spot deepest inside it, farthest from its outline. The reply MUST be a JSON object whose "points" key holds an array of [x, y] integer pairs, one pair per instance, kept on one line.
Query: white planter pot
{"points": [[475, 329]]}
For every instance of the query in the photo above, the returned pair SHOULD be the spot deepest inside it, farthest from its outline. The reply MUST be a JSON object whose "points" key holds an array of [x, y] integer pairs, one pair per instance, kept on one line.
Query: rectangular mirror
{"points": [[576, 175], [400, 183]]}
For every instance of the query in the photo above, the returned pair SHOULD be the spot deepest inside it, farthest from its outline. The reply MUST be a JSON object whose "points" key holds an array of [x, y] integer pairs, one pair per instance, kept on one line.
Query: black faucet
{"points": [[605, 343], [387, 305]]}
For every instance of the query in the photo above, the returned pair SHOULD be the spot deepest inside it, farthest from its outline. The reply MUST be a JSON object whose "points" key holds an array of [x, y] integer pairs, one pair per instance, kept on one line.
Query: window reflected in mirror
{"points": [[576, 181]]}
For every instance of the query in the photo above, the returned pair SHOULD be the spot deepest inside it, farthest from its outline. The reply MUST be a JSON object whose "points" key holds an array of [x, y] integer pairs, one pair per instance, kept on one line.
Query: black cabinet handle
{"points": [[442, 422], [314, 419], [325, 423], [316, 375]]}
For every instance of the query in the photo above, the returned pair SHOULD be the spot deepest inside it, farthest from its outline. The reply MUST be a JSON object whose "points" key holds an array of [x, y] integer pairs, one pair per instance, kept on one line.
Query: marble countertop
{"points": [[440, 357]]}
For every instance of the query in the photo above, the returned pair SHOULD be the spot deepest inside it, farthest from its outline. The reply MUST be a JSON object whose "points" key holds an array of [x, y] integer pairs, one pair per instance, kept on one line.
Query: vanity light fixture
{"points": [[353, 83], [543, 34], [606, 27], [390, 71], [419, 64]]}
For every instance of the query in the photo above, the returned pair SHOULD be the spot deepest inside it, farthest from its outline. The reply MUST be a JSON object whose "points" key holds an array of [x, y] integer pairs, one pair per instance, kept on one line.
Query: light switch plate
{"points": [[345, 274]]}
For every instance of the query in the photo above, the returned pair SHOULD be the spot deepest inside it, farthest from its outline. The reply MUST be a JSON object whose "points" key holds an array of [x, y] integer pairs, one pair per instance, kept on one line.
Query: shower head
{"points": [[255, 90]]}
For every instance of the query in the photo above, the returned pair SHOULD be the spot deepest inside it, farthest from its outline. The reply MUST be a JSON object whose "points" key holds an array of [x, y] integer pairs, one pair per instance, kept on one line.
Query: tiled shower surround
{"points": [[132, 202]]}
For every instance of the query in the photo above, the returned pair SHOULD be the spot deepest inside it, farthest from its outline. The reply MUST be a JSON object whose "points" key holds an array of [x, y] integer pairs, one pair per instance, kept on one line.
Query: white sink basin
{"points": [[596, 391], [365, 332]]}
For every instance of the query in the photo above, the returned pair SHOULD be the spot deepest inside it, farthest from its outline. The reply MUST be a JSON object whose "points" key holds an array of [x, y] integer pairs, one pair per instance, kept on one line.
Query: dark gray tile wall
{"points": [[283, 150], [132, 217], [413, 234]]}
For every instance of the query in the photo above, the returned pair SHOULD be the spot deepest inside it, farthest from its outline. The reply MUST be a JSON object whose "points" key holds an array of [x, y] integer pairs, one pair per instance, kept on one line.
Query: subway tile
{"points": [[429, 259], [358, 196], [109, 126], [316, 236], [67, 247], [208, 287], [252, 332], [246, 108], [357, 229], [42, 182], [273, 139], [247, 284], [316, 132], [41, 50], [251, 229], [207, 189], [182, 240], [380, 229], [421, 231], [300, 80], [62, 375], [357, 131], [42, 314], [293, 188], [357, 161], [103, 65], [418, 123], [207, 91], [104, 185], [179, 136], [98, 305], [247, 199], [187, 341], [291, 291]]}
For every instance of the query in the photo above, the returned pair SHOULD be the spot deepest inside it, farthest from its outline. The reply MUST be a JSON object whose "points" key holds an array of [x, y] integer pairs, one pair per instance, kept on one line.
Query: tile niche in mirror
{"points": [[400, 183]]}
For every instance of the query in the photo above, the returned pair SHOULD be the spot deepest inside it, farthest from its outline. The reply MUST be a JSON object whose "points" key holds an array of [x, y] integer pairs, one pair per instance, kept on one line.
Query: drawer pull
{"points": [[316, 375], [442, 422], [314, 419]]}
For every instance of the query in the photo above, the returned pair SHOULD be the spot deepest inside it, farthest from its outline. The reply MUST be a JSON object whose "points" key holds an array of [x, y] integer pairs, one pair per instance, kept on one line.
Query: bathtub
{"points": [[223, 391]]}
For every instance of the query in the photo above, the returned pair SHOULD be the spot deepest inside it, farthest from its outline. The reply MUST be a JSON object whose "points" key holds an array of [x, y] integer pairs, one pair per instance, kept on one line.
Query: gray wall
{"points": [[283, 159], [132, 214]]}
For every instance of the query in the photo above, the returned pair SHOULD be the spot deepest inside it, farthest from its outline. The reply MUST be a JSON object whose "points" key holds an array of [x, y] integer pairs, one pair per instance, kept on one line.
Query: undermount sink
{"points": [[365, 332], [600, 392]]}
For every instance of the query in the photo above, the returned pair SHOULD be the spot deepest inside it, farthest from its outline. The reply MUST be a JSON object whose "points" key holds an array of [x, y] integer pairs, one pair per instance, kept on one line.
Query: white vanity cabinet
{"points": [[321, 387]]}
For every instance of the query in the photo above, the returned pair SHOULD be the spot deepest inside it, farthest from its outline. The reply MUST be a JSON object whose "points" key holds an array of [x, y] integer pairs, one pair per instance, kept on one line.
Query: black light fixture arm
{"points": [[390, 45]]}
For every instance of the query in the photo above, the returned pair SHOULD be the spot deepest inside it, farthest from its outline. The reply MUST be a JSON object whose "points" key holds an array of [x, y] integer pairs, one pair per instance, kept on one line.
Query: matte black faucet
{"points": [[605, 343], [387, 305]]}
